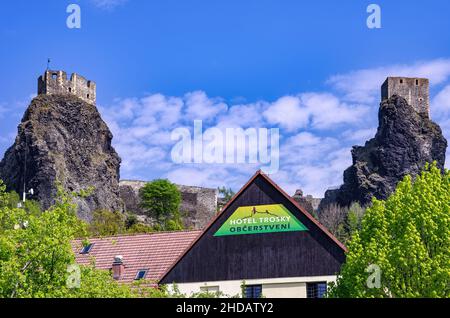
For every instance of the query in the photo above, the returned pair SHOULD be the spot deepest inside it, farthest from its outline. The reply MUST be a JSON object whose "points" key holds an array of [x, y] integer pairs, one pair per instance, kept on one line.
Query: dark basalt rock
{"points": [[63, 139], [404, 143]]}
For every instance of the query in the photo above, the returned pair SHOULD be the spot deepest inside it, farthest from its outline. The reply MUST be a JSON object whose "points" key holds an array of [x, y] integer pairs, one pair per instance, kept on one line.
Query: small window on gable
{"points": [[141, 274], [87, 248]]}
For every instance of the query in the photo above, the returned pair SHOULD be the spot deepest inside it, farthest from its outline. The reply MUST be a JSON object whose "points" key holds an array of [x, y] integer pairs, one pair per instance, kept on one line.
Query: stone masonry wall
{"points": [[198, 205], [56, 83], [414, 90]]}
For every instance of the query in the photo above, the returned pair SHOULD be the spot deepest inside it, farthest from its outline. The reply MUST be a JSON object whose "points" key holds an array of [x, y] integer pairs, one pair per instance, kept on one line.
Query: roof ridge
{"points": [[137, 234]]}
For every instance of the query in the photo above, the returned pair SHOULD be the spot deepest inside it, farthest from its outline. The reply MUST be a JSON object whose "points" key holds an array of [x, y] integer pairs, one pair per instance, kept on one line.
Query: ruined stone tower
{"points": [[414, 90], [56, 83]]}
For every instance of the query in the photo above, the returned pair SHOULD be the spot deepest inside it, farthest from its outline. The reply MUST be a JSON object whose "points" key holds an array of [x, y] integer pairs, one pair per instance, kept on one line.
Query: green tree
{"points": [[225, 193], [407, 237], [354, 218], [12, 200], [36, 253], [161, 200]]}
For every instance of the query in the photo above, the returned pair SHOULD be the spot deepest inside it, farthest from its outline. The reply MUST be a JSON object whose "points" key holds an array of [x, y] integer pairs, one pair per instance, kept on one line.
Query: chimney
{"points": [[117, 267]]}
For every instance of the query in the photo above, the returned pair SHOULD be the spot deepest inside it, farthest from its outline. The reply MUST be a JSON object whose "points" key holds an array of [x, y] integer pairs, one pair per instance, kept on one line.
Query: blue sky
{"points": [[312, 69]]}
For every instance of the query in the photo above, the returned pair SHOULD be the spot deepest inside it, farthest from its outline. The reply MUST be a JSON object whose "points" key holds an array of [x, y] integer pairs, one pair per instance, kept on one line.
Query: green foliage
{"points": [[161, 200], [106, 223], [354, 218], [407, 237], [36, 254], [140, 228], [35, 250], [225, 193], [175, 223], [132, 225], [12, 200]]}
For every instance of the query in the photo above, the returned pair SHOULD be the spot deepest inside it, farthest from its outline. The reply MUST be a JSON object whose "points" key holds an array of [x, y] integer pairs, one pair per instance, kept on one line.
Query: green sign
{"points": [[260, 219]]}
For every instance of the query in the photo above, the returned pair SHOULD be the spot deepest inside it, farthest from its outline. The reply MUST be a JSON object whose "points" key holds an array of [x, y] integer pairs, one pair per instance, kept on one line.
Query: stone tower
{"points": [[56, 83], [414, 90]]}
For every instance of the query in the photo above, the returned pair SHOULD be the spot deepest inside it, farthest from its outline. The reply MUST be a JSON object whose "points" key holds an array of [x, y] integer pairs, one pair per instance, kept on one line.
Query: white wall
{"points": [[289, 287]]}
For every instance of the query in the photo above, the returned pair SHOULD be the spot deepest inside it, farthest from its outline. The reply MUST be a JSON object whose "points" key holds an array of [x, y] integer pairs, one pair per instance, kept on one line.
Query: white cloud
{"points": [[317, 128], [327, 110], [441, 103], [364, 85], [312, 163], [244, 115], [288, 113], [200, 107], [313, 110]]}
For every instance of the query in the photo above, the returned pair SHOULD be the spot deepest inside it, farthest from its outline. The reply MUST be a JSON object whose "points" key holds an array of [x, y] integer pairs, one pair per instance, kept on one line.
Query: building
{"points": [[262, 242], [414, 90], [56, 83]]}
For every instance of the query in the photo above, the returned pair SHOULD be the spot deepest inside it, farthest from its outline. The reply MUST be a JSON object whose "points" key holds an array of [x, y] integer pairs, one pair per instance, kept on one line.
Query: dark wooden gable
{"points": [[284, 254]]}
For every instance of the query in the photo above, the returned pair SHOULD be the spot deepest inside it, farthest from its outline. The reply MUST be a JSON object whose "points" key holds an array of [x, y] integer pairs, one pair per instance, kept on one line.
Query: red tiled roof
{"points": [[155, 252]]}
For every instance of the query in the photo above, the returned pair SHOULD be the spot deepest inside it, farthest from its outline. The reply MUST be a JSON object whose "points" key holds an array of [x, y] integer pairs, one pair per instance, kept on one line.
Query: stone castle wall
{"points": [[198, 205], [414, 90], [56, 83]]}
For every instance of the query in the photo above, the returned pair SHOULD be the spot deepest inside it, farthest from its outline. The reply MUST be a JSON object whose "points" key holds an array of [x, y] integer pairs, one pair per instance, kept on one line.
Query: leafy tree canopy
{"points": [[36, 257], [225, 193], [161, 200], [402, 249]]}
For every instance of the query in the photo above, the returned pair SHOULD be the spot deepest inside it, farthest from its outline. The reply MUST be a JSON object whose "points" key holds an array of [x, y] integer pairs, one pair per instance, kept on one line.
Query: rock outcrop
{"points": [[405, 141], [63, 139]]}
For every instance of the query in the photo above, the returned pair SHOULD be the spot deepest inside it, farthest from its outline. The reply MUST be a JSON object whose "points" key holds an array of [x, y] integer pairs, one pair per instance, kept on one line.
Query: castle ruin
{"points": [[56, 83], [414, 90], [198, 205]]}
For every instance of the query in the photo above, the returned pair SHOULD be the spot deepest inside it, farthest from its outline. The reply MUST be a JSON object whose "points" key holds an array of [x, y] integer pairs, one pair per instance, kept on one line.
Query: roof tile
{"points": [[155, 252]]}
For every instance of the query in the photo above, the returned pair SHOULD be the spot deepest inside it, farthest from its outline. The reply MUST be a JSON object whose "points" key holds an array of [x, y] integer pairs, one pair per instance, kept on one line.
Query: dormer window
{"points": [[141, 274], [87, 248]]}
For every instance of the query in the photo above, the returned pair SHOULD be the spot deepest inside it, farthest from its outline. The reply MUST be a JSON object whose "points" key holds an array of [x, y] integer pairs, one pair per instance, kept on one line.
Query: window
{"points": [[316, 290], [253, 291], [141, 274], [87, 95], [54, 76], [70, 89], [417, 82], [87, 248], [401, 81]]}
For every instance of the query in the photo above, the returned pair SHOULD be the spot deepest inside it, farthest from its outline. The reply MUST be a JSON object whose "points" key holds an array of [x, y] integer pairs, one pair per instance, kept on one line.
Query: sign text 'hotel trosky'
{"points": [[260, 219]]}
